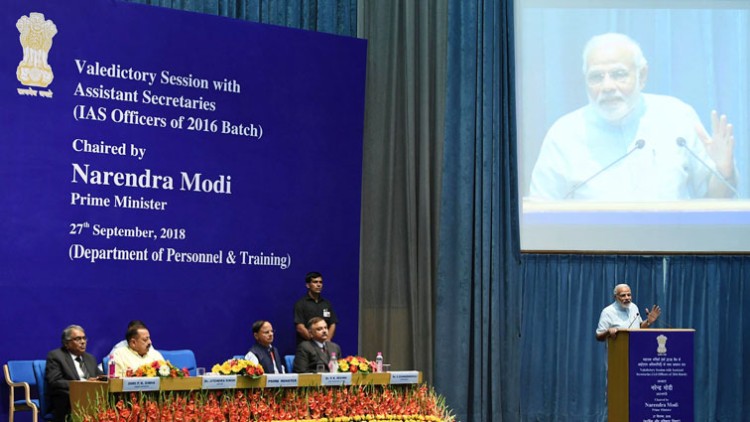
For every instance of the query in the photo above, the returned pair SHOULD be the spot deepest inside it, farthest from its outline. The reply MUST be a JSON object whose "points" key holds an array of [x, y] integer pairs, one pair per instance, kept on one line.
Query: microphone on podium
{"points": [[681, 142], [638, 145], [637, 314]]}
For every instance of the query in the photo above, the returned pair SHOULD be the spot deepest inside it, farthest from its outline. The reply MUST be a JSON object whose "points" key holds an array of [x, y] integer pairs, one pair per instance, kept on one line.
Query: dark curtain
{"points": [[478, 308], [331, 16], [563, 368], [563, 372], [711, 295]]}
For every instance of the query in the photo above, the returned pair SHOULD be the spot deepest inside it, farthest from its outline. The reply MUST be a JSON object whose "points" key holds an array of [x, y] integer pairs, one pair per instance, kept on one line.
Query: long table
{"points": [[85, 393]]}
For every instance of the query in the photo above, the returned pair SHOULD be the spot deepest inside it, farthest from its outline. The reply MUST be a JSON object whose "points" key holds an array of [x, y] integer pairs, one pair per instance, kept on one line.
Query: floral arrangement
{"points": [[238, 367], [356, 364], [158, 368], [410, 403]]}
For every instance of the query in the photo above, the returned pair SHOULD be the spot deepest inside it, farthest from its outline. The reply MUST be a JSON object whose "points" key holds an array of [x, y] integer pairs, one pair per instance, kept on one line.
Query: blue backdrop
{"points": [[275, 136]]}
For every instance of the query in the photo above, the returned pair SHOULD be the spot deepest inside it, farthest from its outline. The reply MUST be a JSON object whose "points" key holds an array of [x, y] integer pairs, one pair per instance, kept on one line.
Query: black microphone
{"points": [[681, 142], [637, 314], [638, 145]]}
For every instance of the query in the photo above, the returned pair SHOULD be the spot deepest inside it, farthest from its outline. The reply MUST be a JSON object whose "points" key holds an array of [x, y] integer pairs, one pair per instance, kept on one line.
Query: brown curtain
{"points": [[403, 143]]}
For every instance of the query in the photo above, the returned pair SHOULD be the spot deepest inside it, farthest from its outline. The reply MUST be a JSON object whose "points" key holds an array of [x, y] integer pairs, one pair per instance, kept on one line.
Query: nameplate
{"points": [[282, 380], [335, 379], [219, 382], [141, 384], [404, 377]]}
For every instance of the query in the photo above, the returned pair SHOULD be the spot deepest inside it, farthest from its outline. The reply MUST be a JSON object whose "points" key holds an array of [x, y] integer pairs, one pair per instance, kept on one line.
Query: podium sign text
{"points": [[651, 376]]}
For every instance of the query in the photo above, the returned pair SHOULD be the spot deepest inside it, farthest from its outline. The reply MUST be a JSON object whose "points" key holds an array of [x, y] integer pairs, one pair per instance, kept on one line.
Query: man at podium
{"points": [[623, 314]]}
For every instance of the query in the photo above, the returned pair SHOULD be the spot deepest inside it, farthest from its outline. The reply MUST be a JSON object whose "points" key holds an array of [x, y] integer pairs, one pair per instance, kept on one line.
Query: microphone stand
{"points": [[638, 145], [683, 144]]}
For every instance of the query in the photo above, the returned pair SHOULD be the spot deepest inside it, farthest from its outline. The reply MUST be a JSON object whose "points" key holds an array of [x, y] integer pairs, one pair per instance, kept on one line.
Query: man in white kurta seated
{"points": [[138, 353], [124, 343]]}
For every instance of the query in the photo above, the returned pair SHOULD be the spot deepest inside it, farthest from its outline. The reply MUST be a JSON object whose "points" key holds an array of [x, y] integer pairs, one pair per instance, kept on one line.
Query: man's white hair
{"points": [[67, 333], [612, 38], [614, 291]]}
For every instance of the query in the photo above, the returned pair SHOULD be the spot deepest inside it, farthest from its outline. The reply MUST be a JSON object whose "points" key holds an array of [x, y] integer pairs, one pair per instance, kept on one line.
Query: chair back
{"points": [[289, 359], [20, 374], [181, 358], [21, 371], [40, 368]]}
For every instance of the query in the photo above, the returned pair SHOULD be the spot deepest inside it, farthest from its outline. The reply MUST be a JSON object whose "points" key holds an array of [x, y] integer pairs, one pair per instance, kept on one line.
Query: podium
{"points": [[650, 375]]}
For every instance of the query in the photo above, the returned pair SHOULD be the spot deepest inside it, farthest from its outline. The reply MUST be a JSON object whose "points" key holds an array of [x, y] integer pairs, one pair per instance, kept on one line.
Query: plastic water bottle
{"points": [[111, 367], [379, 362], [333, 363]]}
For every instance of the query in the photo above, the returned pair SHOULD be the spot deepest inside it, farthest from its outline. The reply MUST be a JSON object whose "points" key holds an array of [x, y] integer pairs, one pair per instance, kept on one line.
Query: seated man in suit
{"points": [[314, 355], [263, 352], [138, 353], [68, 363]]}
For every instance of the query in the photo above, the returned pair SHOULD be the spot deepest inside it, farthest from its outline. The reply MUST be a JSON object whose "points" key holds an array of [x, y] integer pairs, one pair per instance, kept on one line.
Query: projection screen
{"points": [[619, 151]]}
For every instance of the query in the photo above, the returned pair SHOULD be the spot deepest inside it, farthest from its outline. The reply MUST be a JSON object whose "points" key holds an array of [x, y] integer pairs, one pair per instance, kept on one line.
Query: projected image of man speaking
{"points": [[626, 145]]}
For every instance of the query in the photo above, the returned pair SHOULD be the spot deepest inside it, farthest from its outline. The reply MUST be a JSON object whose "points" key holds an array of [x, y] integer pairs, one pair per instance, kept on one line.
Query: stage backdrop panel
{"points": [[178, 168]]}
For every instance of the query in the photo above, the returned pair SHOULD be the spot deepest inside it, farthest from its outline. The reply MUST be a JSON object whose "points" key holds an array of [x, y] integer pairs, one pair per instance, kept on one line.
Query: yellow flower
{"points": [[354, 361], [363, 367], [344, 366]]}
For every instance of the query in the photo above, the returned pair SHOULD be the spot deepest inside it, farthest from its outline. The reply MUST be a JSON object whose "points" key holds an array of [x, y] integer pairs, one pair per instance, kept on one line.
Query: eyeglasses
{"points": [[78, 339], [596, 78]]}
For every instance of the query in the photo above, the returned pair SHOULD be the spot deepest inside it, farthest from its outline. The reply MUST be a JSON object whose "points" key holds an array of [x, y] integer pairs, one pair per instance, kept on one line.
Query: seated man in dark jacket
{"points": [[314, 355], [263, 350], [68, 363]]}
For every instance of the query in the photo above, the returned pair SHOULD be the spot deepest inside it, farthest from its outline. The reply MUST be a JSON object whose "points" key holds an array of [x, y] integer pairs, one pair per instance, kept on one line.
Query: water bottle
{"points": [[111, 367], [379, 362], [333, 363]]}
